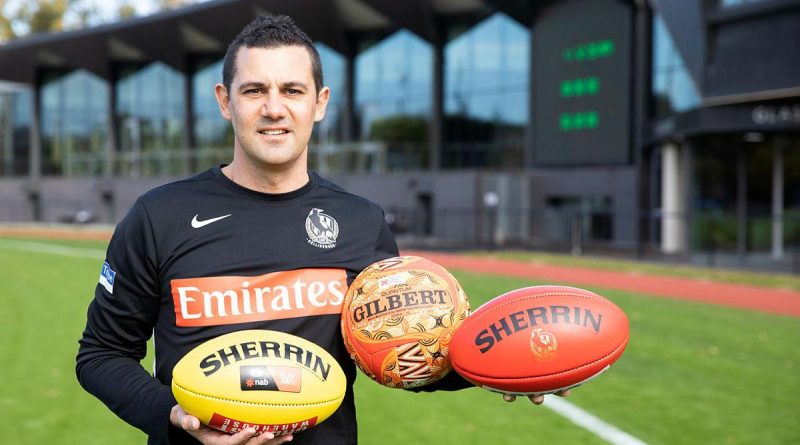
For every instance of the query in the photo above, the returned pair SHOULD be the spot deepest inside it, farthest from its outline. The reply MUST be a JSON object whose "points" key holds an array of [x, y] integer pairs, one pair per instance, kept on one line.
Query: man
{"points": [[264, 220]]}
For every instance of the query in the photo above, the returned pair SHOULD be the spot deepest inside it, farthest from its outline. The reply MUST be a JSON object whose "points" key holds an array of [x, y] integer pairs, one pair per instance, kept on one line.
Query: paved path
{"points": [[771, 300]]}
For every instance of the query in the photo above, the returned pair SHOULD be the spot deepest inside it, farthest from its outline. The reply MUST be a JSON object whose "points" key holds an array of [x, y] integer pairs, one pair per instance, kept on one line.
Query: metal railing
{"points": [[709, 240], [362, 157]]}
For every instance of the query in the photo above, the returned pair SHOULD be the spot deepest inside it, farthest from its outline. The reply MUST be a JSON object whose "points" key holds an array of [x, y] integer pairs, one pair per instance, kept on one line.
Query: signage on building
{"points": [[776, 114]]}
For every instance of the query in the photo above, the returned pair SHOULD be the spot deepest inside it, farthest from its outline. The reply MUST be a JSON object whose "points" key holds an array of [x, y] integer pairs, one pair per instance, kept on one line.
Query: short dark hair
{"points": [[271, 31]]}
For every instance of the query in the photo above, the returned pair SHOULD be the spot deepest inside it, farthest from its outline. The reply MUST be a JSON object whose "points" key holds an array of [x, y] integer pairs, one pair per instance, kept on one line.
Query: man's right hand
{"points": [[210, 436]]}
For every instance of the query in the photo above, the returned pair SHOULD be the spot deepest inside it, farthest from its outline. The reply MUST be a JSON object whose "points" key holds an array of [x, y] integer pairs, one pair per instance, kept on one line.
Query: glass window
{"points": [[21, 142], [74, 123], [15, 125], [150, 109], [393, 97], [673, 89], [394, 78], [791, 170], [330, 129], [212, 133], [486, 91], [6, 133], [731, 3]]}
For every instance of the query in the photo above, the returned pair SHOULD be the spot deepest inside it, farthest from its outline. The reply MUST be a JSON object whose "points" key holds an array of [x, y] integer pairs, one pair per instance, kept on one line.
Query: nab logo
{"points": [[270, 378]]}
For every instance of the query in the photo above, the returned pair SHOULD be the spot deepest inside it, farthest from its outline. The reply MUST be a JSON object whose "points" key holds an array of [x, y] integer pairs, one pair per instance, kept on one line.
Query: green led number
{"points": [[589, 51], [580, 120], [588, 86]]}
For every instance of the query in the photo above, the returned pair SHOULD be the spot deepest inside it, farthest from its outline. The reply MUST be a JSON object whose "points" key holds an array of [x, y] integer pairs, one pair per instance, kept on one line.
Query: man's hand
{"points": [[537, 400], [210, 436]]}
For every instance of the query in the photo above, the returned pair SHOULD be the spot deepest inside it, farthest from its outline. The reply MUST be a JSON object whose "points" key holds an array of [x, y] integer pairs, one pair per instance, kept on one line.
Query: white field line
{"points": [[53, 249], [590, 422], [576, 415]]}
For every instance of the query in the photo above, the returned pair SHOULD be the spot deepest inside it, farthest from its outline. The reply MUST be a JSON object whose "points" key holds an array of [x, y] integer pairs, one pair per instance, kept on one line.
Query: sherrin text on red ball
{"points": [[539, 340]]}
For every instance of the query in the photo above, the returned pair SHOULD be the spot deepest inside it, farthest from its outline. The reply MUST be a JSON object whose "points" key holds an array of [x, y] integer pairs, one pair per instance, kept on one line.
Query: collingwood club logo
{"points": [[544, 344], [322, 229]]}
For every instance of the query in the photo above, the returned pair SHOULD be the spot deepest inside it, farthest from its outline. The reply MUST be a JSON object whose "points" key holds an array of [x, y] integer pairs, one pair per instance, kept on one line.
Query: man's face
{"points": [[272, 105]]}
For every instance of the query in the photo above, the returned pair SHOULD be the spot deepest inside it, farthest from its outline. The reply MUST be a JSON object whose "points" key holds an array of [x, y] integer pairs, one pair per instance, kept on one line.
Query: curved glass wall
{"points": [[333, 68], [74, 123], [393, 97], [213, 135], [486, 90], [15, 128], [673, 89], [150, 113]]}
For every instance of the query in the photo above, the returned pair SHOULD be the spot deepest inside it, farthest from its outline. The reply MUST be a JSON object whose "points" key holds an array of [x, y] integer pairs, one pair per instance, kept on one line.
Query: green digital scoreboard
{"points": [[582, 83]]}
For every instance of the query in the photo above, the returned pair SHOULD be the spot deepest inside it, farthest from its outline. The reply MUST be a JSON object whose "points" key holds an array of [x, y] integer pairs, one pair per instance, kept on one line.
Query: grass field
{"points": [[666, 269], [692, 373]]}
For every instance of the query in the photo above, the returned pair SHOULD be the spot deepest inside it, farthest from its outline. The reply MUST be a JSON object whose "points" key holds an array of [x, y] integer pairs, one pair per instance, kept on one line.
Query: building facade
{"points": [[722, 152], [660, 127]]}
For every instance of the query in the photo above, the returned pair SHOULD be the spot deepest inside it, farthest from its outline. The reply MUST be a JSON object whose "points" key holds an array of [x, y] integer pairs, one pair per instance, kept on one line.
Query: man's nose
{"points": [[273, 107]]}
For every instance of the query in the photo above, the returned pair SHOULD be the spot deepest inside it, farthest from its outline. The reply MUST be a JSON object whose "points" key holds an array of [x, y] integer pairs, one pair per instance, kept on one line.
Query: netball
{"points": [[398, 319]]}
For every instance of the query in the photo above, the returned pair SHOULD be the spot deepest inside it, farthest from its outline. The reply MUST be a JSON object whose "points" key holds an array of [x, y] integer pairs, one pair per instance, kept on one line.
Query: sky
{"points": [[108, 8]]}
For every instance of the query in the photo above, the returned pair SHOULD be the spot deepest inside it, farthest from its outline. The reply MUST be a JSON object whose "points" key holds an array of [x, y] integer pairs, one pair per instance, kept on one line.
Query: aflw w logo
{"points": [[287, 379], [411, 362]]}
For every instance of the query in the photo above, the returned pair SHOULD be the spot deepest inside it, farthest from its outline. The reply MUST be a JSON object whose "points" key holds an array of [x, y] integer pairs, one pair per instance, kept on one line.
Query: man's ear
{"points": [[223, 100], [322, 103]]}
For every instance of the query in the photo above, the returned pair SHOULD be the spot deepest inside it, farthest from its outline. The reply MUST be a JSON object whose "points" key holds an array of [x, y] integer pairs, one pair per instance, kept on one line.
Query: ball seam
{"points": [[551, 294], [253, 403]]}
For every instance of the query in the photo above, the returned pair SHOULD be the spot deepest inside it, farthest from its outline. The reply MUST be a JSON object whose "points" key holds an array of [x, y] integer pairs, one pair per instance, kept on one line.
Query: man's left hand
{"points": [[538, 399]]}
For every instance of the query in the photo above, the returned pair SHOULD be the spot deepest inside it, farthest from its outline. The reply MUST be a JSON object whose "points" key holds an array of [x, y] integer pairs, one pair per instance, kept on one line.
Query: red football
{"points": [[539, 340]]}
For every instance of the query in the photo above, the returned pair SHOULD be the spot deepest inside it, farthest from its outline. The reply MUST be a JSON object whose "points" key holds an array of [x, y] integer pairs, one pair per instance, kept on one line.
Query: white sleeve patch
{"points": [[107, 277]]}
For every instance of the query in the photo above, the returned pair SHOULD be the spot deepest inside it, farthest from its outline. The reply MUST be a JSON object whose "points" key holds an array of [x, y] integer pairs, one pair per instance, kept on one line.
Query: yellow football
{"points": [[269, 380]]}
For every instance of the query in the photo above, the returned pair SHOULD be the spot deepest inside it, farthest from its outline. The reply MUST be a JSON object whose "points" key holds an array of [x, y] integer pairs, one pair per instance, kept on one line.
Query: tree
{"points": [[47, 17], [164, 5], [399, 128], [6, 30], [28, 17], [126, 11]]}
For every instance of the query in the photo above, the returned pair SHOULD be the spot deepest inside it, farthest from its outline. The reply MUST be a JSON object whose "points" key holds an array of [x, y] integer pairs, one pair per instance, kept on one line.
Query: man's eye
{"points": [[293, 91], [252, 91]]}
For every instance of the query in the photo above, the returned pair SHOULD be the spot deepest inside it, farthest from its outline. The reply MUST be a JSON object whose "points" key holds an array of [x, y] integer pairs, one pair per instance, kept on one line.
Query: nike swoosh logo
{"points": [[197, 224]]}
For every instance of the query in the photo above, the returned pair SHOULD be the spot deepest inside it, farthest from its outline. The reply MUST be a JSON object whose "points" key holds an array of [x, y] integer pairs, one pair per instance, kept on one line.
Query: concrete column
{"points": [[349, 131], [777, 201], [437, 108], [112, 143], [741, 203], [35, 155], [673, 201], [190, 161]]}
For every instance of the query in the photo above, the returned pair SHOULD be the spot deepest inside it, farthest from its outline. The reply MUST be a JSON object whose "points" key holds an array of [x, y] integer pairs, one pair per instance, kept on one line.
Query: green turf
{"points": [[44, 303], [692, 374], [82, 244], [651, 267]]}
